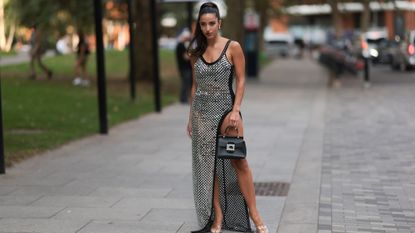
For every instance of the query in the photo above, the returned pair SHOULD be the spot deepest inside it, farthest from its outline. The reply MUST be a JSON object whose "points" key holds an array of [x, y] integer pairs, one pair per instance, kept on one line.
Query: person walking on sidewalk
{"points": [[37, 49], [82, 52], [223, 189], [183, 64]]}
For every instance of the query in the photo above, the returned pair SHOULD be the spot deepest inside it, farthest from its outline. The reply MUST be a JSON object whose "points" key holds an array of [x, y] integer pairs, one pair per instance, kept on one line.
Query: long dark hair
{"points": [[198, 44]]}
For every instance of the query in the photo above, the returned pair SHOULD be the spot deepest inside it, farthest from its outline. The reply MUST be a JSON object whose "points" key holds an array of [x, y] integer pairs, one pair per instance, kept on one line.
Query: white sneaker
{"points": [[77, 81]]}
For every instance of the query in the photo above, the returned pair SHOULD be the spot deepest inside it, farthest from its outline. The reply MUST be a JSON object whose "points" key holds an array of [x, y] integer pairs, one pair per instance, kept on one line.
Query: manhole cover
{"points": [[271, 188]]}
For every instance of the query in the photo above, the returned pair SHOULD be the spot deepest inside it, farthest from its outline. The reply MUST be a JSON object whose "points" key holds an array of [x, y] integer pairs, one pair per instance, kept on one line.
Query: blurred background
{"points": [[42, 113]]}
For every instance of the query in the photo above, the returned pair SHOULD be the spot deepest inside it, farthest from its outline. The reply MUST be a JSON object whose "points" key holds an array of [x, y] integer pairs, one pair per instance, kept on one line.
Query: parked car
{"points": [[277, 43], [375, 46], [403, 54]]}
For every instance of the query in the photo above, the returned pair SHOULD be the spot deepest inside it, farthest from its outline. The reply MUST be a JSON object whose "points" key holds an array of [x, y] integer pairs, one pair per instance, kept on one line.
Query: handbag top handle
{"points": [[227, 128]]}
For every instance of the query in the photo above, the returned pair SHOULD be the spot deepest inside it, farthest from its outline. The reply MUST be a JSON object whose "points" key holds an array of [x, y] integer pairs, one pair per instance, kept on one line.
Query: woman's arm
{"points": [[238, 60]]}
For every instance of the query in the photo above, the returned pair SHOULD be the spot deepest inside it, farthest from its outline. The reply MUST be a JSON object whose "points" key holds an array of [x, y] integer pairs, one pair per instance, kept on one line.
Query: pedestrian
{"points": [[37, 50], [82, 52], [223, 189], [183, 65]]}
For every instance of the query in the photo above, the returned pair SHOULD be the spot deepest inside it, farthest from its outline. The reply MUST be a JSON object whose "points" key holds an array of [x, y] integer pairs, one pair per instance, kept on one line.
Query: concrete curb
{"points": [[300, 213]]}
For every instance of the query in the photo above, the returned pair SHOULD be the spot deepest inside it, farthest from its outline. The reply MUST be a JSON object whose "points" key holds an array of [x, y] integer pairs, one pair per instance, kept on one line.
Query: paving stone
{"points": [[130, 192], [36, 225], [171, 203], [5, 190], [76, 201], [130, 227], [170, 215], [18, 200], [28, 211], [52, 190], [77, 213]]}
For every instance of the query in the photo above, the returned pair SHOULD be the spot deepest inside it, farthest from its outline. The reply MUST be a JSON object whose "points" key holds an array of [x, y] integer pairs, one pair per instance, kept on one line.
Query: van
{"points": [[277, 43]]}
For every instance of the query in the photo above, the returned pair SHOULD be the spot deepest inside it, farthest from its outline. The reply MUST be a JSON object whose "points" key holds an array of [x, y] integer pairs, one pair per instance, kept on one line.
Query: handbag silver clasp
{"points": [[230, 147]]}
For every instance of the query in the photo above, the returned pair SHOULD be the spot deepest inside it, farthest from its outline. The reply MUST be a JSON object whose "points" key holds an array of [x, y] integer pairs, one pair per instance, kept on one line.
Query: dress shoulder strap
{"points": [[226, 47]]}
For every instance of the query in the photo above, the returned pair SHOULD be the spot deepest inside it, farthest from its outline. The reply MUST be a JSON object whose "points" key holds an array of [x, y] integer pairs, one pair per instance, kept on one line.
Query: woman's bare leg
{"points": [[246, 184], [47, 72], [216, 204], [77, 68]]}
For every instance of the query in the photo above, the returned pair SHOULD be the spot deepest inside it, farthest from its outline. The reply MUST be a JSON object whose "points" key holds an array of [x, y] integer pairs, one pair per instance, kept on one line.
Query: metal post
{"points": [[367, 72], [156, 78], [100, 56], [131, 24], [2, 164]]}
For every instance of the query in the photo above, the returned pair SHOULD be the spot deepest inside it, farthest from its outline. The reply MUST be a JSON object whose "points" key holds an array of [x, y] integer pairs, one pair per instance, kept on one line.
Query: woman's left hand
{"points": [[234, 119]]}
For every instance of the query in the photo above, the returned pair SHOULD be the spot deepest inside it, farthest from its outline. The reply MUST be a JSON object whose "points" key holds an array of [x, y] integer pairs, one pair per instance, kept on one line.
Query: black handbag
{"points": [[231, 147]]}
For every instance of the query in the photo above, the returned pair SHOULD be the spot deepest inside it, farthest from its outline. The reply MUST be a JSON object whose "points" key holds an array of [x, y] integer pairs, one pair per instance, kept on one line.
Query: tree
{"points": [[78, 13], [6, 25], [261, 7], [143, 41], [399, 20], [336, 17], [233, 26], [365, 17], [50, 17]]}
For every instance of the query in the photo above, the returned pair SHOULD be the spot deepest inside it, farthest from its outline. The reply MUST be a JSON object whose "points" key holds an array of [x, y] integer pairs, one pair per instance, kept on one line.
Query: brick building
{"points": [[396, 16]]}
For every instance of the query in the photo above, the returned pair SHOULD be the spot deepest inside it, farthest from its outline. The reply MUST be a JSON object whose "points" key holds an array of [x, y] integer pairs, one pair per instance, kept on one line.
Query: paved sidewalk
{"points": [[20, 58], [138, 178], [368, 165]]}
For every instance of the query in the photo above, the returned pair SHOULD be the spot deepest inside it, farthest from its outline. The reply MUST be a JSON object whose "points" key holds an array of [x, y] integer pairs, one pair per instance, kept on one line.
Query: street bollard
{"points": [[366, 73]]}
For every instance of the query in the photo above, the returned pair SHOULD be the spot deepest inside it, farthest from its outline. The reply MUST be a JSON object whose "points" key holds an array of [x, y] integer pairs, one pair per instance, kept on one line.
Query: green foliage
{"points": [[80, 13], [31, 12], [52, 16], [41, 115]]}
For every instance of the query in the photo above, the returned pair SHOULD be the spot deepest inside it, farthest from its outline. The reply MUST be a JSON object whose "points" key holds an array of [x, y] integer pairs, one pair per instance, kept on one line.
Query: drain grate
{"points": [[271, 188]]}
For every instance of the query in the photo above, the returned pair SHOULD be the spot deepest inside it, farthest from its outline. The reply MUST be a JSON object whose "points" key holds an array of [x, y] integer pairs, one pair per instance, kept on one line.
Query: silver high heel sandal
{"points": [[216, 229], [262, 229]]}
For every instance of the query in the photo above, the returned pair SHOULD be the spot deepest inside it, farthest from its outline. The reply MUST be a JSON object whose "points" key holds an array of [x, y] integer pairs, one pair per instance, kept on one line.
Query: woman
{"points": [[82, 52], [223, 189]]}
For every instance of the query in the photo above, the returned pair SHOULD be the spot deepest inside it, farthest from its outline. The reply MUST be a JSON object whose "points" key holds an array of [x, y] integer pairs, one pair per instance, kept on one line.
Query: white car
{"points": [[375, 44], [277, 43]]}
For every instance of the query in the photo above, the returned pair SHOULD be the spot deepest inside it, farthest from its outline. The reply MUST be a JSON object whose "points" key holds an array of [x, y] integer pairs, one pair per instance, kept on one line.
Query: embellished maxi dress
{"points": [[214, 98]]}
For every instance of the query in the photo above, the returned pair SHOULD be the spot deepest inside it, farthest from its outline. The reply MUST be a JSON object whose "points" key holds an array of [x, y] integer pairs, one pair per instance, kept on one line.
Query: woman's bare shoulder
{"points": [[235, 46]]}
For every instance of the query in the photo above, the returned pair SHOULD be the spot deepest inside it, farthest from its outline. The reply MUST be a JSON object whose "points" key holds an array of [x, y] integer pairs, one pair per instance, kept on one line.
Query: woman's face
{"points": [[209, 24]]}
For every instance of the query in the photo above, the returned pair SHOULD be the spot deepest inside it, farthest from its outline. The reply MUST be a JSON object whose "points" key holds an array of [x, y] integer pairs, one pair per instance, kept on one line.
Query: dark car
{"points": [[403, 54]]}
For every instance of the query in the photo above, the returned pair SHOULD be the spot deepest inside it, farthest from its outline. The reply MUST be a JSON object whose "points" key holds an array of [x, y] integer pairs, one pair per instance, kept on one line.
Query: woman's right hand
{"points": [[189, 129]]}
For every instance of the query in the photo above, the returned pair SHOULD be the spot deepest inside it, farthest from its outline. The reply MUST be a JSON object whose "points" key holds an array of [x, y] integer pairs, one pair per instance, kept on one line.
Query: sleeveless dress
{"points": [[213, 99]]}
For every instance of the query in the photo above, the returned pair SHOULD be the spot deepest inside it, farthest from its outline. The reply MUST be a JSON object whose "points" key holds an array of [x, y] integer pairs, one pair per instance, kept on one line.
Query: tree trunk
{"points": [[261, 7], [143, 40], [336, 17], [398, 23], [2, 26], [233, 25], [10, 38], [365, 17]]}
